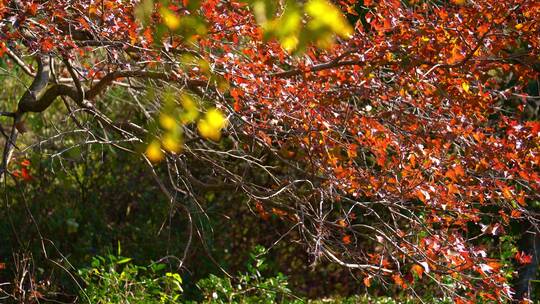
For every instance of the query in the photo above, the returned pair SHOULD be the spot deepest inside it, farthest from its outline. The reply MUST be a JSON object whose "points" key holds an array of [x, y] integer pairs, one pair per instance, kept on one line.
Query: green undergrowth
{"points": [[118, 280]]}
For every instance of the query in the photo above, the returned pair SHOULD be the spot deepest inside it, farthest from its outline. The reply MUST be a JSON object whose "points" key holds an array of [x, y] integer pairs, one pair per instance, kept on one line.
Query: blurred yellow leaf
{"points": [[287, 28], [191, 112], [170, 19], [289, 43], [153, 152], [207, 131], [325, 14], [172, 143], [216, 119], [167, 121], [212, 123]]}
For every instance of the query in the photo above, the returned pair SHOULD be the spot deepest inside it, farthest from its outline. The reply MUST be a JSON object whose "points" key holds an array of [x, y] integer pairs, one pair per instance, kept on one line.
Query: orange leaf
{"points": [[367, 281], [399, 281], [352, 11], [451, 174], [419, 270], [46, 45], [483, 29], [25, 174], [262, 213], [32, 9], [456, 55], [523, 258], [521, 200], [237, 107], [459, 170], [279, 212], [507, 193], [515, 213], [452, 189], [3, 49], [495, 265]]}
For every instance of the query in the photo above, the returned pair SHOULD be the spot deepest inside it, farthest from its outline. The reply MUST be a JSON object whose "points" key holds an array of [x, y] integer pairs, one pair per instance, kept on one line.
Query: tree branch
{"points": [[19, 61], [109, 78]]}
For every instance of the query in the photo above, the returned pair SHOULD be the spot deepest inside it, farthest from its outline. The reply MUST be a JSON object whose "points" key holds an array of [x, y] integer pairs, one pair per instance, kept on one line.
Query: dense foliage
{"points": [[397, 142]]}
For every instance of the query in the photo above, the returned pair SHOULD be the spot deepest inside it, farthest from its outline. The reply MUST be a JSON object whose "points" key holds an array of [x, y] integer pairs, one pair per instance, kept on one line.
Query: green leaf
{"points": [[123, 261]]}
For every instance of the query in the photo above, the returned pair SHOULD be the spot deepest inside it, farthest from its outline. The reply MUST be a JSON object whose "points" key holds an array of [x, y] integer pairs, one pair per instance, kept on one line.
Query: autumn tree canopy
{"points": [[399, 138]]}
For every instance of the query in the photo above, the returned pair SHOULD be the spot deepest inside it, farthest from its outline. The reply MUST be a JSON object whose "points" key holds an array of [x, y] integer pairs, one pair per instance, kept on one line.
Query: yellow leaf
{"points": [[216, 119], [207, 131], [191, 112], [170, 19], [289, 22], [212, 123], [153, 152], [519, 26], [289, 43], [465, 86], [172, 143], [287, 28], [327, 15], [167, 122]]}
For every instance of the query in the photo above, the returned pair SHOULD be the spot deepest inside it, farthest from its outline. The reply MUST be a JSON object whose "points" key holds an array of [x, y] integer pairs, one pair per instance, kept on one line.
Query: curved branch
{"points": [[108, 79], [40, 81], [352, 265], [47, 98], [319, 67], [19, 61]]}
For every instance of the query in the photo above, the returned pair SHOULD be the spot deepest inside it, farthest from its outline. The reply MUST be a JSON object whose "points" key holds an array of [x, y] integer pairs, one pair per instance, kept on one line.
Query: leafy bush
{"points": [[115, 279], [249, 287]]}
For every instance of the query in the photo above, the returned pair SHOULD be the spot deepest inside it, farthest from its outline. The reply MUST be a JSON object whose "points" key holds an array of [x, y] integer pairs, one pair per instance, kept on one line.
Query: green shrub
{"points": [[249, 287], [116, 280]]}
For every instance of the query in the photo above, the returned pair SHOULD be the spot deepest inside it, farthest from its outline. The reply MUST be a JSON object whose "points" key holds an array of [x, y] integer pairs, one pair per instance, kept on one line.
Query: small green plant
{"points": [[116, 280], [248, 287]]}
